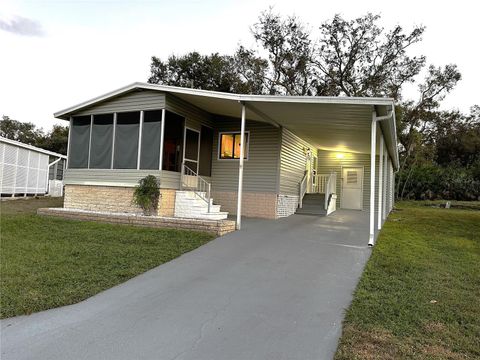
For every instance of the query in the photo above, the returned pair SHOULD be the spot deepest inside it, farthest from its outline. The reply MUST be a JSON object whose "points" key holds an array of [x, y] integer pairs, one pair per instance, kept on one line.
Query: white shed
{"points": [[26, 170]]}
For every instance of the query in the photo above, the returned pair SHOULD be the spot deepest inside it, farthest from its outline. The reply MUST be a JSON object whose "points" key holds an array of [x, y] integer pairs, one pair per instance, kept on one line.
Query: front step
{"points": [[190, 205], [313, 204]]}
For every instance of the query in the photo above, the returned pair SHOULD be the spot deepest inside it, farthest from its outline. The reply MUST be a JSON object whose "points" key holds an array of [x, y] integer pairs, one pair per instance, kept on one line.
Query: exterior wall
{"points": [[260, 171], [286, 205], [194, 117], [112, 199], [133, 101], [119, 177], [22, 171], [260, 205], [292, 162]]}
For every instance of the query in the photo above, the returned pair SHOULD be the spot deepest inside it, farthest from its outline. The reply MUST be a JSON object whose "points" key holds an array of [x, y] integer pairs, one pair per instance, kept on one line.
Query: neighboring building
{"points": [[301, 154], [27, 170]]}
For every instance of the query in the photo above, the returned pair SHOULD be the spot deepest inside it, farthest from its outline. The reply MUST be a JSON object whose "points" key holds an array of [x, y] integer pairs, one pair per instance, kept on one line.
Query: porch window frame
{"points": [[247, 148]]}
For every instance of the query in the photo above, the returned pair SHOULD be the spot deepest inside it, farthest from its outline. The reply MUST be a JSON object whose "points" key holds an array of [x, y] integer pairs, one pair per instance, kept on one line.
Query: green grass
{"points": [[49, 262], [419, 296]]}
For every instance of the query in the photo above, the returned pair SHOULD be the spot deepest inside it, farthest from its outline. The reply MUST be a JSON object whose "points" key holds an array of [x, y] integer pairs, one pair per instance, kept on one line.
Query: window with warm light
{"points": [[230, 146]]}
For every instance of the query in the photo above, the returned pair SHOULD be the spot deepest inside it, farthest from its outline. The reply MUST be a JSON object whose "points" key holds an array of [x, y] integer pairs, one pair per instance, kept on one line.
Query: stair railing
{"points": [[192, 181], [302, 190], [330, 188]]}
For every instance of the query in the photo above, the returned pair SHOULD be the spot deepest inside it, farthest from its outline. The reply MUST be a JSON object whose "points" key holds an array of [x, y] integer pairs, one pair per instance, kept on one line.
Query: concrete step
{"points": [[318, 212]]}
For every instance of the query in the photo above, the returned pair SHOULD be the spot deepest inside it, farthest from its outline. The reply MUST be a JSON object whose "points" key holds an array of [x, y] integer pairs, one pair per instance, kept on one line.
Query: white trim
{"points": [[68, 141], [162, 137], [240, 169], [233, 132], [341, 183], [384, 195], [30, 147], [140, 132], [113, 138], [380, 182], [184, 143], [90, 141], [373, 145]]}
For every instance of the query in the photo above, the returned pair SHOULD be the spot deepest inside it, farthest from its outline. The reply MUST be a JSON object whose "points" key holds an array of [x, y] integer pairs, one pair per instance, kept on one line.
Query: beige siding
{"points": [[133, 101], [194, 117], [292, 162], [261, 168], [117, 177]]}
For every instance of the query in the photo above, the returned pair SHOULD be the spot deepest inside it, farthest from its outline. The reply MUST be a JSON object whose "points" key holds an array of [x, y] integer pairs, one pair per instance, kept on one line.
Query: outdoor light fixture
{"points": [[339, 155]]}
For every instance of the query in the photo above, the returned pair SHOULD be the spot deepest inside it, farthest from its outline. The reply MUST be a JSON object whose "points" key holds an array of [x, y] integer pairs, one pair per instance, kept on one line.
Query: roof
{"points": [[30, 147], [321, 120]]}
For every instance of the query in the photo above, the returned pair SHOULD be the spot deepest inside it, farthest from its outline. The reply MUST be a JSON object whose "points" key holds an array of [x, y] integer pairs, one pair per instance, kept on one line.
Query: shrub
{"points": [[147, 193]]}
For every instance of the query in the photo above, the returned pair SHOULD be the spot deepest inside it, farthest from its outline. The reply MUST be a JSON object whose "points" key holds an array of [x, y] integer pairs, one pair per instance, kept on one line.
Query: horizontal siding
{"points": [[117, 177], [261, 168], [133, 101], [194, 117], [292, 162]]}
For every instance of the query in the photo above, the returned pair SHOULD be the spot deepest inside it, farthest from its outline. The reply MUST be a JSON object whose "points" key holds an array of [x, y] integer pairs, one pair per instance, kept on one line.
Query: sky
{"points": [[55, 54]]}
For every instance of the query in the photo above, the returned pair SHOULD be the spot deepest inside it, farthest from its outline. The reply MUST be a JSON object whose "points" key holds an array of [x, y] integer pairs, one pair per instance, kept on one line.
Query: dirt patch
{"points": [[440, 352], [434, 327]]}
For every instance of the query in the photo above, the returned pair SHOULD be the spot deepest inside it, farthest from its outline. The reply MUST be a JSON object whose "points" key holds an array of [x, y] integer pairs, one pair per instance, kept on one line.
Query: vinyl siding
{"points": [[133, 101], [292, 162], [117, 177], [261, 168], [194, 116]]}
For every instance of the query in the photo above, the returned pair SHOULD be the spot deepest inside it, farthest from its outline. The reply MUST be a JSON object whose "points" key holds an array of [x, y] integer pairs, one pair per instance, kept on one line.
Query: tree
{"points": [[56, 140], [20, 131]]}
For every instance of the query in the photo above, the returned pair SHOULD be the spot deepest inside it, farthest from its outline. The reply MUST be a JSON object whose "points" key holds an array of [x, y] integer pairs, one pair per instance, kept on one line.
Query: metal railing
{"points": [[190, 180], [302, 190]]}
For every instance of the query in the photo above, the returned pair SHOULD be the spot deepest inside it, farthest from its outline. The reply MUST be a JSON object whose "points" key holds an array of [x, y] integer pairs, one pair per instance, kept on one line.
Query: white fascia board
{"points": [[231, 97], [30, 147]]}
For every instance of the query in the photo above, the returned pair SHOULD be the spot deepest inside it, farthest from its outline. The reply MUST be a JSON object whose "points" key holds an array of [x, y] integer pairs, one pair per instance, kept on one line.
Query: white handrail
{"points": [[200, 187], [302, 190], [330, 188]]}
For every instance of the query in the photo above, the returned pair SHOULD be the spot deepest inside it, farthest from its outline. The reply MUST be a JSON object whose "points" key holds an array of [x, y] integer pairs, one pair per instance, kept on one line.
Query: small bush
{"points": [[147, 193]]}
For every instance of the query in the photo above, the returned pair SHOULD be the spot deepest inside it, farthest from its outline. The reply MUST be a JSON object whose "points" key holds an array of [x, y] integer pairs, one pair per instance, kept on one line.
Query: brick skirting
{"points": [[218, 227], [259, 205], [113, 199]]}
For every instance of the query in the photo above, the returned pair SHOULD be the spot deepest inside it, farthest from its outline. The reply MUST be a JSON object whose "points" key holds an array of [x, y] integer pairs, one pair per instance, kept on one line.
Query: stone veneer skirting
{"points": [[286, 205], [113, 199], [218, 227], [259, 205]]}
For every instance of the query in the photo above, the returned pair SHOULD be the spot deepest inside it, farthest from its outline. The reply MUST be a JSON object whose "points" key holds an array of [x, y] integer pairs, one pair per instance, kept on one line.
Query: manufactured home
{"points": [[219, 154]]}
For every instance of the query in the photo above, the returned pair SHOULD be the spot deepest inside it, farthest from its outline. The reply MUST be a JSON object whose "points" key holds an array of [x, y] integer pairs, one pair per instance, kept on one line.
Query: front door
{"points": [[191, 151], [352, 187]]}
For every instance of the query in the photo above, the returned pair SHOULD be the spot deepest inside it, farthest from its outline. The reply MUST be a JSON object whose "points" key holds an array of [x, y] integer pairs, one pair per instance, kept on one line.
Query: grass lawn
{"points": [[419, 296], [49, 262]]}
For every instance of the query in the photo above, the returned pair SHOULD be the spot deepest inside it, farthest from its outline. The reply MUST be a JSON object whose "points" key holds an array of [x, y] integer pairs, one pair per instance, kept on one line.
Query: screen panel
{"points": [[79, 142], [150, 153], [102, 136], [126, 140]]}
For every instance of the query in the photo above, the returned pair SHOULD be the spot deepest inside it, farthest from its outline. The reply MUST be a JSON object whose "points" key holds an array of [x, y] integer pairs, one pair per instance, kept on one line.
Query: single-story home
{"points": [[280, 155]]}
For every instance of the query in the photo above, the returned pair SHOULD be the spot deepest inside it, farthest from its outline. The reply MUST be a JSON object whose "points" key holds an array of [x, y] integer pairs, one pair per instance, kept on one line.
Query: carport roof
{"points": [[330, 123]]}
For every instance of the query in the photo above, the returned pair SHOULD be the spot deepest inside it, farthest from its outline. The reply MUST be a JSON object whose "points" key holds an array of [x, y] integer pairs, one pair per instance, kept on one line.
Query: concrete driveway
{"points": [[274, 290]]}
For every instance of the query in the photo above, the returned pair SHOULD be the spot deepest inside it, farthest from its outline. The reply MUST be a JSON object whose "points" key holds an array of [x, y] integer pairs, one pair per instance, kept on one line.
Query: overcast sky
{"points": [[54, 53]]}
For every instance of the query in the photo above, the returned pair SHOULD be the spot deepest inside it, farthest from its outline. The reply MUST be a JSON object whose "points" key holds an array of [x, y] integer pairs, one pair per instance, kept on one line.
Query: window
{"points": [[150, 154], [101, 147], [230, 145]]}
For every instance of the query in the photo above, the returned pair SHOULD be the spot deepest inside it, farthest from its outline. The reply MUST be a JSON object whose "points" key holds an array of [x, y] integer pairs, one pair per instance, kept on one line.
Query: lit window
{"points": [[230, 146]]}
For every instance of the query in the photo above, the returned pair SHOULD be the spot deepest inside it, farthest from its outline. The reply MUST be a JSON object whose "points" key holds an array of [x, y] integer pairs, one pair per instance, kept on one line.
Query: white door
{"points": [[352, 188], [191, 155]]}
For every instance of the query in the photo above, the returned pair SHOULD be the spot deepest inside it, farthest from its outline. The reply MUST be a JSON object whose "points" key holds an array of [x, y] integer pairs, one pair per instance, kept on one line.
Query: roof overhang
{"points": [[330, 123], [32, 148]]}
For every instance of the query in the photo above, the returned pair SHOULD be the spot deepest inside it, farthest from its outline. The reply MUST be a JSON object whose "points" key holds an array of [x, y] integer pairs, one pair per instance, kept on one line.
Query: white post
{"points": [[380, 184], [240, 170], [15, 172], [90, 141], [68, 144], [385, 172], [139, 152], [373, 138], [162, 135], [392, 186], [113, 138]]}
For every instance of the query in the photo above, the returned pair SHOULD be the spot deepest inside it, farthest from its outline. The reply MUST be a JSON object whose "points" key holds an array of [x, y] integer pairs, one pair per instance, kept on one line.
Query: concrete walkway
{"points": [[274, 290]]}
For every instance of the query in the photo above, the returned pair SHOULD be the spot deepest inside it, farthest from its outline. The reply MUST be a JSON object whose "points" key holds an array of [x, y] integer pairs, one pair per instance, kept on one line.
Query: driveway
{"points": [[274, 290]]}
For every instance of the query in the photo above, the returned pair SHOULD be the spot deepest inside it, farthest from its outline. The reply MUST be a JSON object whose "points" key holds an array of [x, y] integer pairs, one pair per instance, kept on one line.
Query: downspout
{"points": [[240, 169], [48, 173], [373, 140]]}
